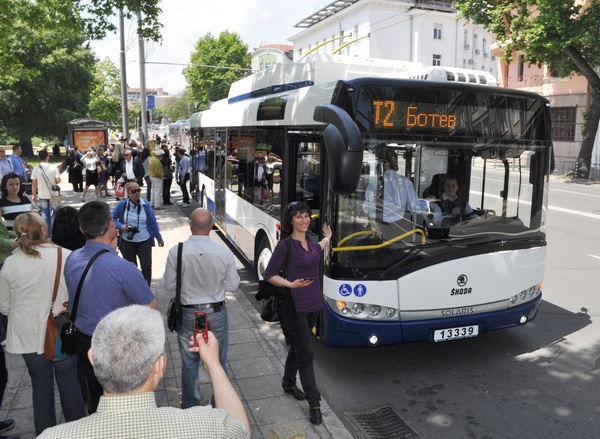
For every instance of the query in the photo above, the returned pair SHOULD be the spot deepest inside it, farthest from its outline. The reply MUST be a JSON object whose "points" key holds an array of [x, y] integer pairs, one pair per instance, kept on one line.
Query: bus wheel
{"points": [[263, 257]]}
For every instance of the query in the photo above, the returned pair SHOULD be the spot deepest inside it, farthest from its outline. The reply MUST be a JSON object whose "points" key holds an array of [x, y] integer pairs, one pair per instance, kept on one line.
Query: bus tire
{"points": [[263, 256]]}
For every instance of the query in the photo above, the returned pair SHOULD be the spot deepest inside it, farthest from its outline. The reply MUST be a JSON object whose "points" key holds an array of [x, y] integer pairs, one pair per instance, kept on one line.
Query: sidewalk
{"points": [[256, 355]]}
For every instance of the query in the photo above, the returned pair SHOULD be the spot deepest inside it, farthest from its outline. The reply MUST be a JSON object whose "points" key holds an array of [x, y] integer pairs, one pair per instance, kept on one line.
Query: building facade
{"points": [[424, 31]]}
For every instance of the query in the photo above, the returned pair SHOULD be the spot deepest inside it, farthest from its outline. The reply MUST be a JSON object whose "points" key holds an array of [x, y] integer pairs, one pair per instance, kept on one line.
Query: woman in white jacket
{"points": [[26, 286]]}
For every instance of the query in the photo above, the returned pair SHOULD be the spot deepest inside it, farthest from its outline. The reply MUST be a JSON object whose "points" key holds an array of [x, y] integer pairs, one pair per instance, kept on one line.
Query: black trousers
{"points": [[300, 356], [84, 343], [184, 190], [132, 251], [3, 374], [167, 190]]}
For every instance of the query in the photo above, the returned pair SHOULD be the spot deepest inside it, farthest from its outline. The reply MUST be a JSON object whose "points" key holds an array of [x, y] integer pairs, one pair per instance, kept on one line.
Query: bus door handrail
{"points": [[375, 246]]}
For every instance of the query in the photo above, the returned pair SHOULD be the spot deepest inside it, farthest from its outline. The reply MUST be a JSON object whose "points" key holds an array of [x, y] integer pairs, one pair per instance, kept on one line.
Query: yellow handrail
{"points": [[378, 246]]}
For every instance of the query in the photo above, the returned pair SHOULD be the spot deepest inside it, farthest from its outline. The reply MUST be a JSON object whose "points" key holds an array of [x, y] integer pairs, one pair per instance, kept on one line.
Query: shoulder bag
{"points": [[52, 342], [69, 331], [272, 296], [174, 309], [54, 189]]}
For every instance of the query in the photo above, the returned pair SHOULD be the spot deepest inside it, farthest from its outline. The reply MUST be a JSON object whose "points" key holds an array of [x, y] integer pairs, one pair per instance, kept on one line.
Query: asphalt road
{"points": [[537, 381]]}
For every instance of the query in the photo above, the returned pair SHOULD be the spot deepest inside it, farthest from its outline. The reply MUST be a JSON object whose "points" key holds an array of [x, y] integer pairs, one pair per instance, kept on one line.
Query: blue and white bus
{"points": [[341, 135]]}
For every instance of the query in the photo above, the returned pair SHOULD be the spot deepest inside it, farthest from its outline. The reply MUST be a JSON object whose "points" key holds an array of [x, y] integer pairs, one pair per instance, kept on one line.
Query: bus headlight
{"points": [[363, 311], [526, 295], [358, 308], [375, 310]]}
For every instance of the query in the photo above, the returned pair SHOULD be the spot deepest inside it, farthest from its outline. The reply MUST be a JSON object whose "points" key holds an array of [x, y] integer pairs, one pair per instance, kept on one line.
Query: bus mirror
{"points": [[344, 146]]}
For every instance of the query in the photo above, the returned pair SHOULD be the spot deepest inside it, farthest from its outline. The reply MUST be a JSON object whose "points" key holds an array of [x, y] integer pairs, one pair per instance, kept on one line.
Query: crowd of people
{"points": [[79, 250], [89, 257]]}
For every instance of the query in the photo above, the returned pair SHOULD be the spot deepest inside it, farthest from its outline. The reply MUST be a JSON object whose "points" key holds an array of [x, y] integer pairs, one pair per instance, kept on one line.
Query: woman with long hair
{"points": [[90, 161], [102, 171], [303, 301], [13, 201], [26, 286]]}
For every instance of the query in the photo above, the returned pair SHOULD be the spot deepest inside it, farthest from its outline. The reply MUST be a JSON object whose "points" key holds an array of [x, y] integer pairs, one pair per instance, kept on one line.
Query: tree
{"points": [[216, 64], [105, 98], [560, 33], [54, 84], [93, 17]]}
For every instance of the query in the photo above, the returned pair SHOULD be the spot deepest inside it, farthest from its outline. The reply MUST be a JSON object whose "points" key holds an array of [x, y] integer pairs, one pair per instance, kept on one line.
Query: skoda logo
{"points": [[462, 280]]}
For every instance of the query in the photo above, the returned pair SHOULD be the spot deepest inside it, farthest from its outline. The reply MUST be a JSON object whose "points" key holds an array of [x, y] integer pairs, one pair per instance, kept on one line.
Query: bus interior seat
{"points": [[436, 188]]}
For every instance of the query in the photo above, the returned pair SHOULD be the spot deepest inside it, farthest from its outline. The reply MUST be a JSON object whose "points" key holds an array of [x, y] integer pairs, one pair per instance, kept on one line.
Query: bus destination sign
{"points": [[390, 114]]}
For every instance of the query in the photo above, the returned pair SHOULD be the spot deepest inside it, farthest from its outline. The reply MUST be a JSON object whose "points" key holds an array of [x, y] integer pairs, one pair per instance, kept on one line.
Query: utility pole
{"points": [[124, 110], [143, 97]]}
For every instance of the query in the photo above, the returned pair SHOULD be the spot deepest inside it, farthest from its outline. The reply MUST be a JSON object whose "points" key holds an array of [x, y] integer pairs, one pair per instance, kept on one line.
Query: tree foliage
{"points": [[563, 34], [105, 98], [51, 84], [93, 17], [216, 64]]}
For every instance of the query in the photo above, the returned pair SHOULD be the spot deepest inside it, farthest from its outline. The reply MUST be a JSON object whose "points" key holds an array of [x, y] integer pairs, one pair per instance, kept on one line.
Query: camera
{"points": [[131, 231], [200, 325]]}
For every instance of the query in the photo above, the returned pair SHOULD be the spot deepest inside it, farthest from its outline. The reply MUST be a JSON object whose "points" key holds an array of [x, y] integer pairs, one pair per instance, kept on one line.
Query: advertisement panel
{"points": [[88, 139]]}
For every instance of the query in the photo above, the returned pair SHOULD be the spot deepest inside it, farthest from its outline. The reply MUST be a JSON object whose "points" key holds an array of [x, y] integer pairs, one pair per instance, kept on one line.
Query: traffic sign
{"points": [[150, 102]]}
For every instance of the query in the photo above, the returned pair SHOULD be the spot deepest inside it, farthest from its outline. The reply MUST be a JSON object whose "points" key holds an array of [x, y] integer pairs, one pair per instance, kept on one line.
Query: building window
{"points": [[437, 60], [563, 123], [437, 31], [484, 45], [521, 67]]}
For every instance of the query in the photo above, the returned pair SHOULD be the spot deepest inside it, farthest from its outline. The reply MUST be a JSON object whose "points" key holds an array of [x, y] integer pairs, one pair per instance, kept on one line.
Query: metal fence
{"points": [[571, 169]]}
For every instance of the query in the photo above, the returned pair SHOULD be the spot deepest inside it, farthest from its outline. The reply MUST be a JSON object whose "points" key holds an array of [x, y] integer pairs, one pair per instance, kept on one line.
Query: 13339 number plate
{"points": [[456, 333]]}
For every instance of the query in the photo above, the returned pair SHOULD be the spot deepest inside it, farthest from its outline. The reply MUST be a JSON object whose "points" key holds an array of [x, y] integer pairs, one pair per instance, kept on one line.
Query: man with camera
{"points": [[208, 270], [128, 356], [135, 220]]}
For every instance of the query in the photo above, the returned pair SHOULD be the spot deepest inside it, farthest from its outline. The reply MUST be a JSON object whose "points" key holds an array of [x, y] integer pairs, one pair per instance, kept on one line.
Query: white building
{"points": [[424, 31]]}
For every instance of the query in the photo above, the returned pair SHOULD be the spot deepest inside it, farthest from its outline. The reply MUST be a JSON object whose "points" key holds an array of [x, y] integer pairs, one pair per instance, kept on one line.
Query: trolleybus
{"points": [[371, 153]]}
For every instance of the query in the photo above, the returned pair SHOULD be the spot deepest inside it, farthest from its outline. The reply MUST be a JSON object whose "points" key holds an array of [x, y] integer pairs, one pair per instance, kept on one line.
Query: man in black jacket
{"points": [[132, 168]]}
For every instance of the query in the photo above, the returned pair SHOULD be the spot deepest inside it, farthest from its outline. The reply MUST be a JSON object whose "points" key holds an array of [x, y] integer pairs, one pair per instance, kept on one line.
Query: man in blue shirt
{"points": [[183, 176], [110, 283], [17, 164]]}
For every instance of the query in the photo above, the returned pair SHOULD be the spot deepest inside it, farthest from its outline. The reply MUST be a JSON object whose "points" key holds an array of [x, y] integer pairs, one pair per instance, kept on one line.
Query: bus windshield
{"points": [[442, 169]]}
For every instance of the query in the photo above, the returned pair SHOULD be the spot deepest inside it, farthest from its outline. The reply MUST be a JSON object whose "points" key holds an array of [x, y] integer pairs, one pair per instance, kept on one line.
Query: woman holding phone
{"points": [[302, 304]]}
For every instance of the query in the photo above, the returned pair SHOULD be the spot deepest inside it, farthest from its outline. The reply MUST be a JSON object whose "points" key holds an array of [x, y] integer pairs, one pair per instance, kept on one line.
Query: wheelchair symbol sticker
{"points": [[345, 290], [360, 290]]}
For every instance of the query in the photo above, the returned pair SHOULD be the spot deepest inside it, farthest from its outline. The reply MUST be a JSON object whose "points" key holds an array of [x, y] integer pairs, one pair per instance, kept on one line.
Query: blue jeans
{"points": [[48, 212], [190, 361], [42, 373]]}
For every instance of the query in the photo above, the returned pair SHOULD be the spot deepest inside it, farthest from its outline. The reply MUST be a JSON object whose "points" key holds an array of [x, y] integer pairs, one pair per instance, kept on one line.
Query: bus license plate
{"points": [[456, 333]]}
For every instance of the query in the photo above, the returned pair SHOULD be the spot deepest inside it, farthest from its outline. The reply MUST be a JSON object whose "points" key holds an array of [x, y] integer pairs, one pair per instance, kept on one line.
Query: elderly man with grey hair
{"points": [[129, 360]]}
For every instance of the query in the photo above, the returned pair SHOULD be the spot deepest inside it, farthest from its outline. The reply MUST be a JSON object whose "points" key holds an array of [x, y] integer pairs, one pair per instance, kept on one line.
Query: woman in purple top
{"points": [[299, 316]]}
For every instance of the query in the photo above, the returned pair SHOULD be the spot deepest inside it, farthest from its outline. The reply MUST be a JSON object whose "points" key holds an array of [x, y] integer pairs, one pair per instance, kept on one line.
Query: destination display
{"points": [[447, 112]]}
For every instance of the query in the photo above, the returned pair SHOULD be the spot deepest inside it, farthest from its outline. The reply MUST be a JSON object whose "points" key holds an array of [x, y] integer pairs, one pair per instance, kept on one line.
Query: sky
{"points": [[258, 22]]}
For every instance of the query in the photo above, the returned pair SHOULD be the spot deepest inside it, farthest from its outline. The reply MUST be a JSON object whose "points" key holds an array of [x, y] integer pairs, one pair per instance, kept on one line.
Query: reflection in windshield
{"points": [[449, 194]]}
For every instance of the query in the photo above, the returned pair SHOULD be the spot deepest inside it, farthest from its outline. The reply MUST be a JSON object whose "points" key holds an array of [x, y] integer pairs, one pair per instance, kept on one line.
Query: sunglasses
{"points": [[135, 191]]}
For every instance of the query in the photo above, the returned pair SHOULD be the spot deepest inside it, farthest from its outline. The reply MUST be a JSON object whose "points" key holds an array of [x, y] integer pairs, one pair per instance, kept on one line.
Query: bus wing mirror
{"points": [[344, 146]]}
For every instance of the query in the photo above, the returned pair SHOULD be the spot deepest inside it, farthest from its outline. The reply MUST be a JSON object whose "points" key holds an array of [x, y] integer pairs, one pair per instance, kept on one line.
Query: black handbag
{"points": [[69, 331], [174, 311], [273, 296]]}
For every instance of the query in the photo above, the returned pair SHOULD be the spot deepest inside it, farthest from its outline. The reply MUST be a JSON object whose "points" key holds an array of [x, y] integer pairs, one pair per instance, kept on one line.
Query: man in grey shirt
{"points": [[208, 271]]}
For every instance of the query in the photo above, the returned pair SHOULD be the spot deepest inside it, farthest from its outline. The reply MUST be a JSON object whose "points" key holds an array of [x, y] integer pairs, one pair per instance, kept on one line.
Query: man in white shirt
{"points": [[43, 177], [6, 166], [132, 168]]}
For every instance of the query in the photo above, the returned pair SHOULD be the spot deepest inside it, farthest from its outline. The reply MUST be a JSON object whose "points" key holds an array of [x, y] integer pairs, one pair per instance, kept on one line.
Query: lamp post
{"points": [[124, 110]]}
